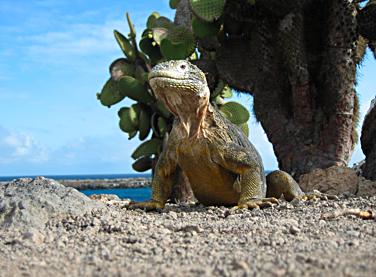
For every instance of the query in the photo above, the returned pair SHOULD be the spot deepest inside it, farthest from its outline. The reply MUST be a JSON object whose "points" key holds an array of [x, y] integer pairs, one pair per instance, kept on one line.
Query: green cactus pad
{"points": [[121, 67], [110, 94], [226, 92], [235, 112], [147, 148], [159, 34], [218, 89], [173, 51], [146, 45], [207, 10], [143, 164], [132, 134], [125, 46], [162, 22], [162, 110], [218, 100], [179, 43], [245, 128], [132, 29], [181, 34], [144, 124], [139, 74], [136, 110], [151, 20], [127, 120], [162, 126], [204, 29], [154, 124], [174, 4], [122, 111], [134, 89]]}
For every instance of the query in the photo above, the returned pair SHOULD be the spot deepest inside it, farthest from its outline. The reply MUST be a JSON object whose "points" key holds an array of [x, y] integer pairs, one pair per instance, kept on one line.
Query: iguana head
{"points": [[181, 86]]}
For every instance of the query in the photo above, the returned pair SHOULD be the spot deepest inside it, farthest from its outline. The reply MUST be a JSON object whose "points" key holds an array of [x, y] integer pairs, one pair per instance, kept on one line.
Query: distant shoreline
{"points": [[106, 183]]}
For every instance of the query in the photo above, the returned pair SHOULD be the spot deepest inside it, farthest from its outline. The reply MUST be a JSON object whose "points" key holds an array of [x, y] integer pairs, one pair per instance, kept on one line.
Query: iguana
{"points": [[222, 165]]}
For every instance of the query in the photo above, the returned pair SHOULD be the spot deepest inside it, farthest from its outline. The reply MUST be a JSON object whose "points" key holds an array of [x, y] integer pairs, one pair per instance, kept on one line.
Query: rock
{"points": [[368, 142], [358, 167], [29, 203], [294, 230], [337, 180], [333, 180], [366, 187], [105, 197]]}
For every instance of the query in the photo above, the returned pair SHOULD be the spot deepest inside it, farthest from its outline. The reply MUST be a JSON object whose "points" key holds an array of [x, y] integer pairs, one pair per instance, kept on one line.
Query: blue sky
{"points": [[54, 57]]}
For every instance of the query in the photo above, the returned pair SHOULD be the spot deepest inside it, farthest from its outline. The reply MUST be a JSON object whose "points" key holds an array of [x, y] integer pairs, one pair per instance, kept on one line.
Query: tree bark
{"points": [[368, 140], [301, 73]]}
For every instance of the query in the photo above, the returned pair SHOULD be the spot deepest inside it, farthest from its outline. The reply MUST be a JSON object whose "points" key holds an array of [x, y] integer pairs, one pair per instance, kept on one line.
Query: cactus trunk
{"points": [[302, 80]]}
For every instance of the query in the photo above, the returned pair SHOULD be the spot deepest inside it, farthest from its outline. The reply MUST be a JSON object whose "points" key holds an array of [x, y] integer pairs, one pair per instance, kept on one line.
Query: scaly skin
{"points": [[222, 166]]}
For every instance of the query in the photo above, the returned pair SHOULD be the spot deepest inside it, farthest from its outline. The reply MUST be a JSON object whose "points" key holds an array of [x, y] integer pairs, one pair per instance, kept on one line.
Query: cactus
{"points": [[151, 20], [278, 7], [125, 46], [121, 67], [134, 89], [143, 164], [174, 3], [144, 124], [203, 29], [150, 48], [129, 78], [366, 20], [207, 10], [147, 148], [132, 33], [235, 112], [178, 43], [110, 94], [128, 120], [245, 128]]}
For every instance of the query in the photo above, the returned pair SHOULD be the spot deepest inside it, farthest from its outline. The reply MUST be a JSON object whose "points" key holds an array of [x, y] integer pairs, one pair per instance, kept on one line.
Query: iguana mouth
{"points": [[165, 81], [163, 74]]}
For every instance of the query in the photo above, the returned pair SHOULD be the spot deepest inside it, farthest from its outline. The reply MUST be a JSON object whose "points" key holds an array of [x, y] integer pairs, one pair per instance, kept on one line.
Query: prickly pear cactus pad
{"points": [[207, 10], [148, 119]]}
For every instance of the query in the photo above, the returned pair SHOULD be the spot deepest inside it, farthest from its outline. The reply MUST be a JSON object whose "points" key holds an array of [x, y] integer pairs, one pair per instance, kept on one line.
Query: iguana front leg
{"points": [[163, 180], [250, 182]]}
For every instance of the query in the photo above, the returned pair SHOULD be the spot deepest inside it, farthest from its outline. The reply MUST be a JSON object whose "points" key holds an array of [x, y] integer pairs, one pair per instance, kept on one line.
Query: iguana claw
{"points": [[257, 203], [147, 205], [317, 195]]}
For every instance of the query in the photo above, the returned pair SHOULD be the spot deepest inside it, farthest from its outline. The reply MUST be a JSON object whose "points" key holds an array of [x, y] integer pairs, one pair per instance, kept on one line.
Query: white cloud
{"points": [[17, 146], [22, 154], [79, 41]]}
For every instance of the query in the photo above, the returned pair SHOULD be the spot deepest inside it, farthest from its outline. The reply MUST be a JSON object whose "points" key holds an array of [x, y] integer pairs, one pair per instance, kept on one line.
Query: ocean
{"points": [[136, 194], [78, 176]]}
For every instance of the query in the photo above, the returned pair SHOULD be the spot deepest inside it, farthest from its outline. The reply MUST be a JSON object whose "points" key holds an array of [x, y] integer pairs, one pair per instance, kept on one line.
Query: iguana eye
{"points": [[183, 66]]}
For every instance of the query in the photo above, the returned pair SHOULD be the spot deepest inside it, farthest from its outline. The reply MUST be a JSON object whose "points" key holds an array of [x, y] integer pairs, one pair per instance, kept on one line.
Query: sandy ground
{"points": [[291, 239]]}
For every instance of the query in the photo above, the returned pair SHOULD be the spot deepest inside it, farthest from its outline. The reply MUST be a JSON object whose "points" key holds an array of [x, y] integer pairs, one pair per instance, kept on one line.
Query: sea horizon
{"points": [[85, 176], [79, 176]]}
